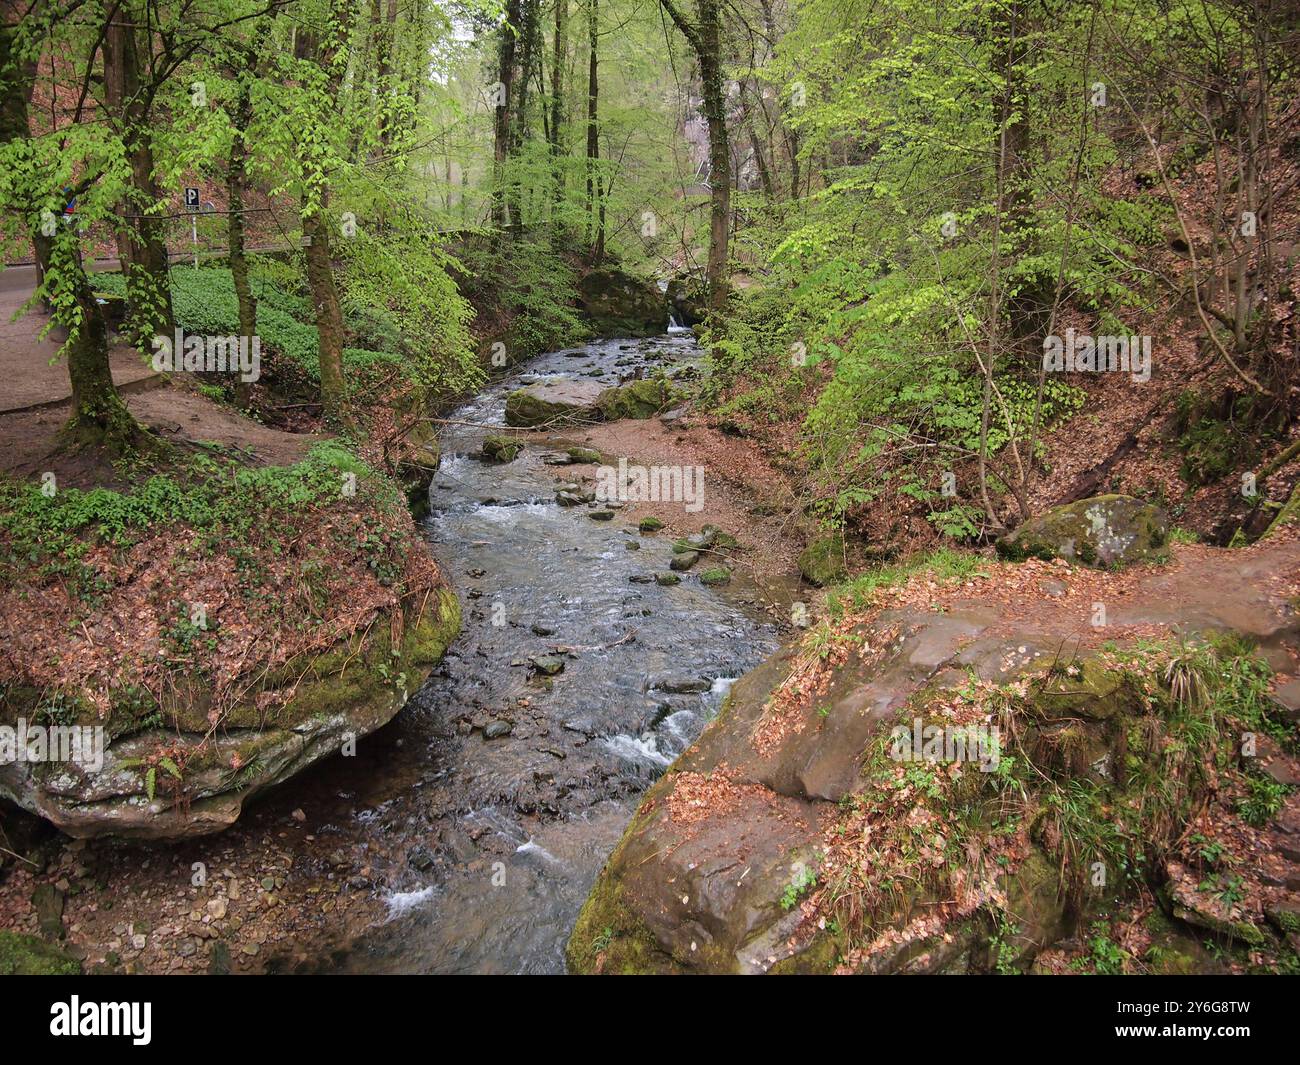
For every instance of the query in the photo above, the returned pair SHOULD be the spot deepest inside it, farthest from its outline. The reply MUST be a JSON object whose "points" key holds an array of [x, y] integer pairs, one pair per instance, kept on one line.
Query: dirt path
{"points": [[32, 373]]}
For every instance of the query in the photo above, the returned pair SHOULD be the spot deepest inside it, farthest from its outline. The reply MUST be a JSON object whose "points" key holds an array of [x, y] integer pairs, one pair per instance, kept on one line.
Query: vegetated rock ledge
{"points": [[340, 696], [787, 839], [222, 627]]}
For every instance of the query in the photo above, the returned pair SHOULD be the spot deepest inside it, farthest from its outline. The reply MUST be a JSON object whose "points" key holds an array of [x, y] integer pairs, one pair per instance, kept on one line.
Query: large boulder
{"points": [[636, 399], [822, 561], [201, 786], [1110, 530], [812, 826], [620, 304], [559, 402]]}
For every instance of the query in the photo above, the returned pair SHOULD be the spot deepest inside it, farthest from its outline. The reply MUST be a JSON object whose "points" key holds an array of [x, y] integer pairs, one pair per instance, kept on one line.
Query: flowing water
{"points": [[486, 848]]}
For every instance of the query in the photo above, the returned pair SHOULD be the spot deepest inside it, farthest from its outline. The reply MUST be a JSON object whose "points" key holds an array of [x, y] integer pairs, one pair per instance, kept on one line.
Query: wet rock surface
{"points": [[708, 876]]}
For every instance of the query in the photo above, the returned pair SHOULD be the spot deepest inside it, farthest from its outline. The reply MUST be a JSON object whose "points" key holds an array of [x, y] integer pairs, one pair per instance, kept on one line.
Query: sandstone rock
{"points": [[1110, 530], [326, 705], [636, 399], [822, 561], [561, 402], [497, 448]]}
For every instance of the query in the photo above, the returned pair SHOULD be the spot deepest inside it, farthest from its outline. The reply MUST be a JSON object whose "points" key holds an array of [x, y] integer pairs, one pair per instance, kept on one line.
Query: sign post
{"points": [[192, 205]]}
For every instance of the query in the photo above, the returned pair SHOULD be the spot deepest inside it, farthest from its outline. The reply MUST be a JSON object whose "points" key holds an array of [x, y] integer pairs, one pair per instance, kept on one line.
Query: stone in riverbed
{"points": [[677, 684], [584, 455], [553, 402], [649, 525], [668, 579], [684, 560], [716, 576], [601, 515], [501, 448], [547, 665], [497, 729]]}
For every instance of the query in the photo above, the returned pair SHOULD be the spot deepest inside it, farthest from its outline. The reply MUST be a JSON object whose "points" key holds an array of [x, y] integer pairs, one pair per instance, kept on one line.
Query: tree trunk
{"points": [[715, 113], [98, 414], [235, 179], [315, 228], [142, 236], [501, 136], [595, 197], [557, 94], [705, 38], [329, 315]]}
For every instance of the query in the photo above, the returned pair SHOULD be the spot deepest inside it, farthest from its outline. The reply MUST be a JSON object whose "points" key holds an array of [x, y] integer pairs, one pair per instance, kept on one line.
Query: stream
{"points": [[485, 848]]}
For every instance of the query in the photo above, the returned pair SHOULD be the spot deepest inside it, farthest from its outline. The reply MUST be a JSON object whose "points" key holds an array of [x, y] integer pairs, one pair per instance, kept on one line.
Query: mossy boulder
{"points": [[822, 561], [298, 714], [688, 299], [497, 448], [1109, 531], [22, 955], [554, 403], [636, 399], [620, 304]]}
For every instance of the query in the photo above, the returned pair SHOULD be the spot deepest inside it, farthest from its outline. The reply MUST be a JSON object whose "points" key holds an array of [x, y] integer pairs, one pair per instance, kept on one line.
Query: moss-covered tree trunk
{"points": [[329, 314], [142, 235], [704, 35], [98, 414], [235, 181]]}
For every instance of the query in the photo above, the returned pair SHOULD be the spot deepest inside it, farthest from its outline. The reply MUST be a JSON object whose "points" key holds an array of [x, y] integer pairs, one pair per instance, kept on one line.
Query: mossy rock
{"points": [[329, 701], [621, 304], [822, 561], [22, 955], [715, 576], [501, 448], [553, 403], [1104, 531], [586, 455], [649, 525], [636, 399]]}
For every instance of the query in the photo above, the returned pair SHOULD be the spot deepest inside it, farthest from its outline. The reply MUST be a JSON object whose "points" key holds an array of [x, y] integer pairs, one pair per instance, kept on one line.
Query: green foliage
{"points": [[220, 504], [533, 284], [801, 883], [944, 564]]}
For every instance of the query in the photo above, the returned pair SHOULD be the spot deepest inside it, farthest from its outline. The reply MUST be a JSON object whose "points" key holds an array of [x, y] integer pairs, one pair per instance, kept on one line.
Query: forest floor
{"points": [[36, 404]]}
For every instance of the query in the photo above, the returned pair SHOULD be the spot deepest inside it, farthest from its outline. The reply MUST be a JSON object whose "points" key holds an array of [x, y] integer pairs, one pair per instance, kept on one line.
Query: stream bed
{"points": [[485, 848]]}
